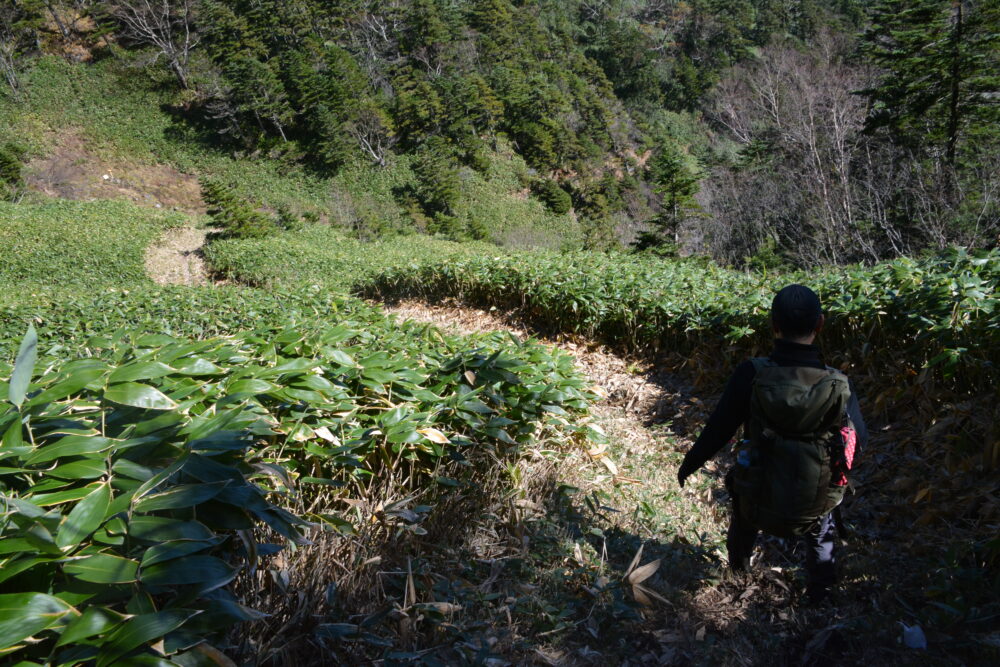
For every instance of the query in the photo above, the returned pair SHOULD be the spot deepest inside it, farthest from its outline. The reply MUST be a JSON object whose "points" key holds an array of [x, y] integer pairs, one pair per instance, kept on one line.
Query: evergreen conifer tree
{"points": [[236, 217], [438, 186], [675, 183], [428, 33], [552, 195], [259, 92], [11, 170], [942, 71]]}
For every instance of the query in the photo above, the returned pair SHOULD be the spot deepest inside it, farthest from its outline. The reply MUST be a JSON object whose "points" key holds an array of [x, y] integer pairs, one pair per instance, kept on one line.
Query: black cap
{"points": [[795, 310]]}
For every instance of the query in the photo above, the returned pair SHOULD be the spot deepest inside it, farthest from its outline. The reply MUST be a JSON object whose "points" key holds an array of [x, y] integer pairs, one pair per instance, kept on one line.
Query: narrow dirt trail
{"points": [[646, 415], [636, 400], [628, 385], [176, 258], [705, 615]]}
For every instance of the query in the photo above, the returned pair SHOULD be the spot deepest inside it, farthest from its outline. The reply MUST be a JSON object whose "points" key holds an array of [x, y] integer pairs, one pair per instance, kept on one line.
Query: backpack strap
{"points": [[759, 364]]}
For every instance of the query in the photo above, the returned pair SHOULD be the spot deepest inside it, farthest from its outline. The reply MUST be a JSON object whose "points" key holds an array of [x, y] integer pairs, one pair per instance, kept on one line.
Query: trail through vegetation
{"points": [[247, 458], [626, 498], [177, 257]]}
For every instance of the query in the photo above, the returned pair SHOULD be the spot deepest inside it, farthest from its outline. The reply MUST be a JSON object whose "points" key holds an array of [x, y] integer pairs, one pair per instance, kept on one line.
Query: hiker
{"points": [[802, 428]]}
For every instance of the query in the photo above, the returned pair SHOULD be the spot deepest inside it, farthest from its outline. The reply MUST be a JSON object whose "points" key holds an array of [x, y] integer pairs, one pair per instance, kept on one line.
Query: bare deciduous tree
{"points": [[371, 128], [811, 183], [17, 35], [799, 126], [375, 34], [167, 25], [8, 63]]}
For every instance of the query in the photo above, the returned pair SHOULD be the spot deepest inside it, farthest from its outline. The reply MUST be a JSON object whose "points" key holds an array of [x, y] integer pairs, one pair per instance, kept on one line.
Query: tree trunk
{"points": [[55, 17], [956, 71], [180, 73]]}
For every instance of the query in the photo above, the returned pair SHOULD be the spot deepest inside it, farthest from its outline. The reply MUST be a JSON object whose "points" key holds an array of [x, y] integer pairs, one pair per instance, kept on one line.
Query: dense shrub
{"points": [[324, 256], [552, 195], [78, 244], [11, 168], [142, 478], [939, 311], [236, 217]]}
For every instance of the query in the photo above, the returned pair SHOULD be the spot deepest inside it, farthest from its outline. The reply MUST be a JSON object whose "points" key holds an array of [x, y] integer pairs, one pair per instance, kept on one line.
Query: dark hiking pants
{"points": [[819, 548]]}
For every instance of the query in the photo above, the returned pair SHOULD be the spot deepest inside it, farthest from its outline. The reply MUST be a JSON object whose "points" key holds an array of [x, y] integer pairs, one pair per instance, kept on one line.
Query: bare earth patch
{"points": [[176, 258], [73, 171]]}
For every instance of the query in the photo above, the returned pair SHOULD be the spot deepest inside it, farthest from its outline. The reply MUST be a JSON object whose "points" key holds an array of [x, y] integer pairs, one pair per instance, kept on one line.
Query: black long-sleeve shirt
{"points": [[733, 409]]}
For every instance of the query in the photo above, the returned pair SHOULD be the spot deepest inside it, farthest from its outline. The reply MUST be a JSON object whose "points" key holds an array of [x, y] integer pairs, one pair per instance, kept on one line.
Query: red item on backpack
{"points": [[850, 439]]}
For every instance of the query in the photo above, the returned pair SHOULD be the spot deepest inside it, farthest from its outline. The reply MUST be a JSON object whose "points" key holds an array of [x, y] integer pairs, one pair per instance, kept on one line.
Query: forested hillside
{"points": [[375, 332], [779, 134]]}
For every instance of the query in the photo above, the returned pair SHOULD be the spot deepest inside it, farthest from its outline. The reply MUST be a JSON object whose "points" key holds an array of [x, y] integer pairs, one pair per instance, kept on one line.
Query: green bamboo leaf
{"points": [[39, 537], [12, 569], [317, 383], [197, 366], [84, 469], [222, 440], [25, 614], [160, 422], [204, 570], [12, 443], [16, 545], [70, 445], [140, 630], [161, 553], [341, 357], [67, 386], [139, 396], [250, 386], [162, 529], [294, 366], [48, 484], [132, 470], [403, 433], [162, 476], [103, 569], [478, 407], [24, 367], [146, 370], [85, 518], [100, 342], [59, 497], [501, 435], [378, 375], [147, 660], [184, 495], [93, 621], [301, 395], [26, 508], [154, 340], [231, 611]]}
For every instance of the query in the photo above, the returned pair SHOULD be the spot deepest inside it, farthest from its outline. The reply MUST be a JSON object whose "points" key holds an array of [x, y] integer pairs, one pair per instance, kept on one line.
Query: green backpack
{"points": [[795, 418]]}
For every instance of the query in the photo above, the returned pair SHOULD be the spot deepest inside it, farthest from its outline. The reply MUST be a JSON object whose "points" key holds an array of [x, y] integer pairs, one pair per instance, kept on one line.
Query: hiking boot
{"points": [[740, 565]]}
